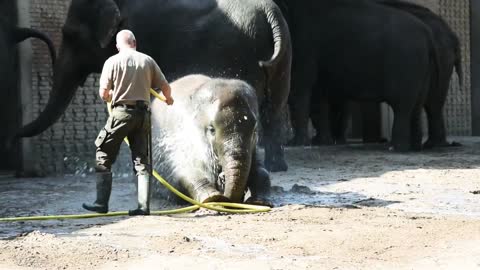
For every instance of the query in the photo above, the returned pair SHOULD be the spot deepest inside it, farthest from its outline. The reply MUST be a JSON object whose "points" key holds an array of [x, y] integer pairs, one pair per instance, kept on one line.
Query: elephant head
{"points": [[86, 43], [230, 125]]}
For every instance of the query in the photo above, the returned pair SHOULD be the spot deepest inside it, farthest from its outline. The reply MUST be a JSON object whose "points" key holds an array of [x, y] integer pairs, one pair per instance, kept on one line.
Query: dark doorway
{"points": [[475, 64]]}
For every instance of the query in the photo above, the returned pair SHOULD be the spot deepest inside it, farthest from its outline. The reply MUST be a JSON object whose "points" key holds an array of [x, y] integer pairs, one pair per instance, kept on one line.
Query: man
{"points": [[125, 82]]}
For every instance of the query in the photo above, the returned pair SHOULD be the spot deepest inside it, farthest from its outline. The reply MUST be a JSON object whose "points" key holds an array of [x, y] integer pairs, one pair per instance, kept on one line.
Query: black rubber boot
{"points": [[104, 188], [143, 192]]}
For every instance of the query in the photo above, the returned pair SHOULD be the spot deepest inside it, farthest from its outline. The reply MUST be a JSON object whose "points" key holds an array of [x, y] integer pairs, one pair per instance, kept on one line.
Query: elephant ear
{"points": [[108, 20]]}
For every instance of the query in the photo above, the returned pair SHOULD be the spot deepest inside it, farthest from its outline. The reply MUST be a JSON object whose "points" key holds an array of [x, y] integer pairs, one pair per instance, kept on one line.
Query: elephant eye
{"points": [[211, 130]]}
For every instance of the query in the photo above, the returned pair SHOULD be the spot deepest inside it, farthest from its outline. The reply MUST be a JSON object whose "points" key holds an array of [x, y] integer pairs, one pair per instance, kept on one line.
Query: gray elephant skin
{"points": [[246, 39], [10, 113], [205, 143], [450, 58], [352, 50]]}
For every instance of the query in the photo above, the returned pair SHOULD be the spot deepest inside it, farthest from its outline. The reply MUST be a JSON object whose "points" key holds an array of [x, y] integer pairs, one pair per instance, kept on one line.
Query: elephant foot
{"points": [[9, 143], [376, 140], [204, 192], [455, 144], [299, 141], [382, 140], [259, 201], [416, 147], [322, 140], [215, 198], [276, 165], [210, 195], [401, 148], [429, 144]]}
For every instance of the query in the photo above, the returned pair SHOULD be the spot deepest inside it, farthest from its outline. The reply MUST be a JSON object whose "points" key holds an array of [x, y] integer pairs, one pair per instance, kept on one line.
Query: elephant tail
{"points": [[281, 40], [434, 56], [21, 34], [458, 61]]}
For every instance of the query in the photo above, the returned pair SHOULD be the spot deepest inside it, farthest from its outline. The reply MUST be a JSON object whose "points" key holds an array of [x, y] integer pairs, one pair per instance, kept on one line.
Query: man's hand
{"points": [[169, 100], [106, 95]]}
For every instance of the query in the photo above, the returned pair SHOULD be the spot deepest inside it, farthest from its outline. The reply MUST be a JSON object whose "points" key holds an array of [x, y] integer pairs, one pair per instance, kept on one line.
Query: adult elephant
{"points": [[450, 57], [359, 50], [246, 39], [447, 45]]}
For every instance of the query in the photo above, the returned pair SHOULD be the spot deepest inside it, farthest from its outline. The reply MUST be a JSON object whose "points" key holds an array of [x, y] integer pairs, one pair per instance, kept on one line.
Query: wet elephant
{"points": [[450, 57], [362, 51], [246, 39], [206, 142]]}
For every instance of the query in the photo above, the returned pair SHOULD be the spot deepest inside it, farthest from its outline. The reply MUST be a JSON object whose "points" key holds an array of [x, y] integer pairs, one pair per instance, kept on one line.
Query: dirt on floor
{"points": [[338, 207]]}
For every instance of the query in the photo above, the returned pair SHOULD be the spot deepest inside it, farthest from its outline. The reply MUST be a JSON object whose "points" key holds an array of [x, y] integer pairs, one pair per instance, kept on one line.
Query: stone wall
{"points": [[458, 107]]}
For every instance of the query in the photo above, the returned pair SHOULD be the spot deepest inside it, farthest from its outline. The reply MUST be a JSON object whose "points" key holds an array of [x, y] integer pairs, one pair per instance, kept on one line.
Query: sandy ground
{"points": [[339, 207]]}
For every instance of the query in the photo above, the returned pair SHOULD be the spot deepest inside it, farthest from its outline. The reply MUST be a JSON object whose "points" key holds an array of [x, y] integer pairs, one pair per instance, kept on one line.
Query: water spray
{"points": [[224, 207]]}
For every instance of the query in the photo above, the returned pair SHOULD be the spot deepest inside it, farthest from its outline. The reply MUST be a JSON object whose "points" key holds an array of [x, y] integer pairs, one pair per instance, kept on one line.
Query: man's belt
{"points": [[139, 104]]}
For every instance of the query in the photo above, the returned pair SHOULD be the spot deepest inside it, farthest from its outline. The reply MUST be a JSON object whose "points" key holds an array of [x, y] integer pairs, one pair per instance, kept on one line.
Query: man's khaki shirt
{"points": [[131, 74]]}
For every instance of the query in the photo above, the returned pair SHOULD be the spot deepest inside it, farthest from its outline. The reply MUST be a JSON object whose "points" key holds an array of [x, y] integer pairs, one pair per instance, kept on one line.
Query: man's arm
{"points": [[106, 83], [167, 92], [159, 81]]}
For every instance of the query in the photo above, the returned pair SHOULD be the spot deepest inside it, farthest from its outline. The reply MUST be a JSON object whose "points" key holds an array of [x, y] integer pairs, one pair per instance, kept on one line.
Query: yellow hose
{"points": [[216, 206]]}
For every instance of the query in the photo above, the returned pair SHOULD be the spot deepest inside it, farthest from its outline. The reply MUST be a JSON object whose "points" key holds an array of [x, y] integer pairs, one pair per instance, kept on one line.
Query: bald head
{"points": [[126, 40]]}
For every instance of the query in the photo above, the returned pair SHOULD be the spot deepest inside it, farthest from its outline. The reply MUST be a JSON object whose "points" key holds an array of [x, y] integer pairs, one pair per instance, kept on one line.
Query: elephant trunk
{"points": [[67, 77], [236, 170], [20, 34]]}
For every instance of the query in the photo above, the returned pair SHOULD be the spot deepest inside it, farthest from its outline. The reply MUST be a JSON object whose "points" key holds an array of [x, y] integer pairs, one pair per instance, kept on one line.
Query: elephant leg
{"points": [[259, 184], [401, 128], [371, 119], [203, 191], [299, 114], [273, 117], [436, 128], [274, 120], [416, 131], [273, 141], [339, 121], [434, 109], [303, 82], [320, 114]]}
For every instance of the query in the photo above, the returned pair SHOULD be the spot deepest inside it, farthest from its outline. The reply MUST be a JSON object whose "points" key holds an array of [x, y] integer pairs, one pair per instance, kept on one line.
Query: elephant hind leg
{"points": [[274, 131], [401, 129], [416, 131], [436, 128], [320, 114]]}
